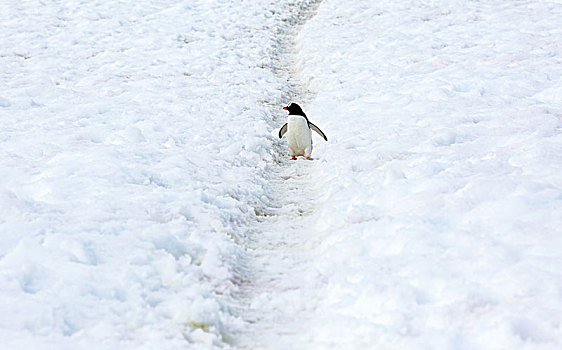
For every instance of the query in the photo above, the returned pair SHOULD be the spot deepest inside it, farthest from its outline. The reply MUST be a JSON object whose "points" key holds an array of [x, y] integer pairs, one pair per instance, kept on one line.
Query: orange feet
{"points": [[293, 158], [307, 158]]}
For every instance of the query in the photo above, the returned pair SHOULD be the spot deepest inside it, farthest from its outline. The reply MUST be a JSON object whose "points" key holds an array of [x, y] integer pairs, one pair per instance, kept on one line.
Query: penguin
{"points": [[298, 129]]}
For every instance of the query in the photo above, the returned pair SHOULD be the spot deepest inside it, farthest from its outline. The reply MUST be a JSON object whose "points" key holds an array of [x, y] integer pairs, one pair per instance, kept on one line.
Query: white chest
{"points": [[299, 137]]}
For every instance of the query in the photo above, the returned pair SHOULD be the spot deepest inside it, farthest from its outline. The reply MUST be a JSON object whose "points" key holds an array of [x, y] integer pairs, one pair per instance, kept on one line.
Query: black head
{"points": [[295, 109]]}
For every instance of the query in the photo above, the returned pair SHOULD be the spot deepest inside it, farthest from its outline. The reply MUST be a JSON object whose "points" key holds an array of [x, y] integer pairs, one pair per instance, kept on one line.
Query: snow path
{"points": [[279, 292]]}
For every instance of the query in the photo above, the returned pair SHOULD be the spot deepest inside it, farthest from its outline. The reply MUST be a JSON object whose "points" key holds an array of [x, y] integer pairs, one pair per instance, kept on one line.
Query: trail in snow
{"points": [[278, 294]]}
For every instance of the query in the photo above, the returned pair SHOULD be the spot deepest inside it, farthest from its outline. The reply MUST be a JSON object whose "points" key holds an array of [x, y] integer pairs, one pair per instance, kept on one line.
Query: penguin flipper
{"points": [[283, 130], [317, 129]]}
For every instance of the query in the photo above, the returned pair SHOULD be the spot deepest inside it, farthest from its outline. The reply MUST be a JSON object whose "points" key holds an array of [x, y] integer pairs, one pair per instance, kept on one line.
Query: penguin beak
{"points": [[285, 107]]}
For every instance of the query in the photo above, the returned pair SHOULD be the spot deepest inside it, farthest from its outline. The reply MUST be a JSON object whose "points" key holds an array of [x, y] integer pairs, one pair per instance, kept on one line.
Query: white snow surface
{"points": [[146, 202], [441, 211], [135, 136]]}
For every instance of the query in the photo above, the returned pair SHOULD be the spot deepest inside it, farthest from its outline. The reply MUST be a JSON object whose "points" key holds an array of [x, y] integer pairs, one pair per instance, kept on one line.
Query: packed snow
{"points": [[147, 203]]}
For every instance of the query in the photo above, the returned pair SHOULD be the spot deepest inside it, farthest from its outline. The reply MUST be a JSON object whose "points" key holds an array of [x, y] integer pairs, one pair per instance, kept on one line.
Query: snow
{"points": [[442, 180], [147, 202], [134, 142]]}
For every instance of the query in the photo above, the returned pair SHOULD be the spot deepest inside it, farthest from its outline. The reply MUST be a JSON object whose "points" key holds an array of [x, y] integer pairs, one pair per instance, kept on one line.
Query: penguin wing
{"points": [[283, 130], [317, 129]]}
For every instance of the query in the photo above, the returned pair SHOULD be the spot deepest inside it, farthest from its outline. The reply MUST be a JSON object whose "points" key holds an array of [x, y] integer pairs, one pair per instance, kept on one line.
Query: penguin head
{"points": [[294, 109]]}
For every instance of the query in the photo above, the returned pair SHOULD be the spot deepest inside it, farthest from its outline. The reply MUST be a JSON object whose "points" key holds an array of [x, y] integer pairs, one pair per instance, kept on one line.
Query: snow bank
{"points": [[442, 179], [135, 139]]}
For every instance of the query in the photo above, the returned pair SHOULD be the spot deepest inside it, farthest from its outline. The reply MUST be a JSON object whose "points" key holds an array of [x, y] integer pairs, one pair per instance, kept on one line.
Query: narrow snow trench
{"points": [[278, 295]]}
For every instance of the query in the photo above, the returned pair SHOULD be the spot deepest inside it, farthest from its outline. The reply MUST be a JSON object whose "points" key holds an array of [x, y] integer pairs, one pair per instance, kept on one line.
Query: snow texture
{"points": [[147, 203], [135, 138], [442, 182]]}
